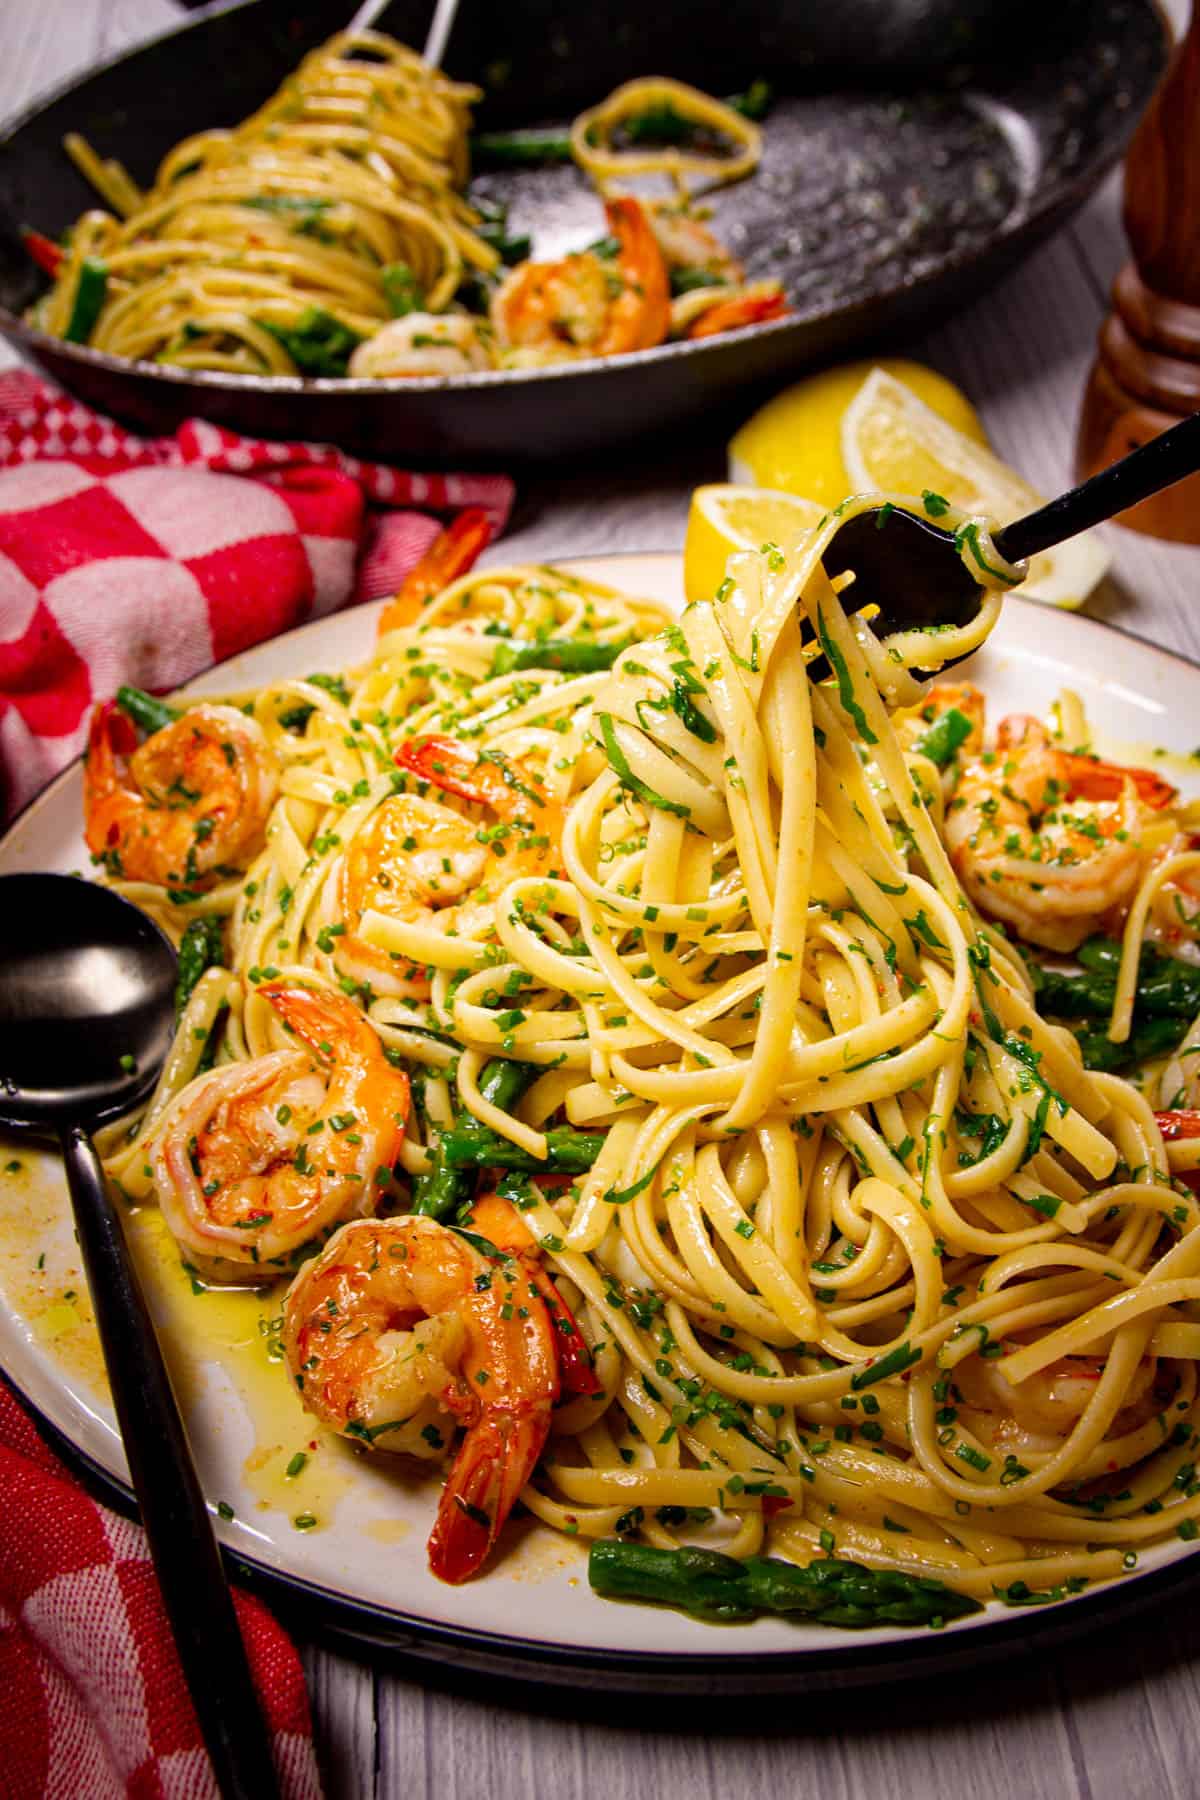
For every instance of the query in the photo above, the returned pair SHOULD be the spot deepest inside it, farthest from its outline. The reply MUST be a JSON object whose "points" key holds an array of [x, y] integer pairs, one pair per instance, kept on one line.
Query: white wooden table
{"points": [[1117, 1720]]}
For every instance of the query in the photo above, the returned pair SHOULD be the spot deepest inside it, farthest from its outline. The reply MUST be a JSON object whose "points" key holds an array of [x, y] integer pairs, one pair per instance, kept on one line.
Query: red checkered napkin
{"points": [[143, 560], [92, 1699]]}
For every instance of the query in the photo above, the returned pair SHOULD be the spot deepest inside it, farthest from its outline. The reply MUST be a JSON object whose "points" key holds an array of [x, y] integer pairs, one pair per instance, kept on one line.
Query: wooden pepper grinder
{"points": [[1147, 372]]}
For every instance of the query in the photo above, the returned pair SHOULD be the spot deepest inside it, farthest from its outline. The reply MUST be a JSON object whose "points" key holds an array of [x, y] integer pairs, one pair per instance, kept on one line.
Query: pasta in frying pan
{"points": [[331, 233]]}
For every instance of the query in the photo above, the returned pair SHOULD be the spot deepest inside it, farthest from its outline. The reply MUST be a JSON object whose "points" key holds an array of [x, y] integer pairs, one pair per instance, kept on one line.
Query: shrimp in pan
{"points": [[258, 1158], [188, 803], [424, 344], [398, 1333], [1047, 839], [687, 243], [585, 304]]}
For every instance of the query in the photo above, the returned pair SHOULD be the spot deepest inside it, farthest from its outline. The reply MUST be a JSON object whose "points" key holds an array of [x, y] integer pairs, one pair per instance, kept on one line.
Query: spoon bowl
{"points": [[86, 1002]]}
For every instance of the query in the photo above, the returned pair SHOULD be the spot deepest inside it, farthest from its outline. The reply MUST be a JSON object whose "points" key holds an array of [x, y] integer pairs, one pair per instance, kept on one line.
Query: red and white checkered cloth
{"points": [[143, 560], [92, 1699]]}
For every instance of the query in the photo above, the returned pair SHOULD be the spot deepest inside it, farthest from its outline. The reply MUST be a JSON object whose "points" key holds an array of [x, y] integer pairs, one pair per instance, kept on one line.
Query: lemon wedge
{"points": [[795, 440], [892, 441], [724, 518]]}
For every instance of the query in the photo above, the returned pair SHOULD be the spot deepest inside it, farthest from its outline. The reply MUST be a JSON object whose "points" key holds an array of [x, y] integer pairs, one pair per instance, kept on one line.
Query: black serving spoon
{"points": [[87, 988], [914, 572]]}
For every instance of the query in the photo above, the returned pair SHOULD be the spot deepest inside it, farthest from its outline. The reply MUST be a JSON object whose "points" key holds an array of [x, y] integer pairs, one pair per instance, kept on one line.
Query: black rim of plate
{"points": [[363, 1628]]}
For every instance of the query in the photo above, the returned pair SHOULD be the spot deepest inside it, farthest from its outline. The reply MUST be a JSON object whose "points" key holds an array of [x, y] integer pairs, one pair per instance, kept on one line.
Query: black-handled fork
{"points": [[915, 573]]}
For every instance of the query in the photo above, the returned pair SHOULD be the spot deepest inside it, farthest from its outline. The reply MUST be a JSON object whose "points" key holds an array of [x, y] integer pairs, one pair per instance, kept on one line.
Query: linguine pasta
{"points": [[346, 182], [866, 1261], [330, 234]]}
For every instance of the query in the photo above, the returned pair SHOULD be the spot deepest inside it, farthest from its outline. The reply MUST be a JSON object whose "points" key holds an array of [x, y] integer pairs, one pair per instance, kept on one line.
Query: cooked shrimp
{"points": [[450, 555], [1040, 1412], [411, 860], [586, 305], [525, 839], [753, 307], [416, 857], [188, 803], [258, 1158], [425, 344], [399, 1331], [498, 1220], [1024, 850], [687, 243]]}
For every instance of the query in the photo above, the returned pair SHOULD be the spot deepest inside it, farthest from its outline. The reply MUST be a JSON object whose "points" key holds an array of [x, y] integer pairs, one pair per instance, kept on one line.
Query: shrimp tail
{"points": [[337, 1032], [747, 309], [496, 1219], [644, 269], [106, 800], [498, 1456], [450, 555], [1086, 777], [322, 1020], [442, 762], [574, 1359], [1091, 780]]}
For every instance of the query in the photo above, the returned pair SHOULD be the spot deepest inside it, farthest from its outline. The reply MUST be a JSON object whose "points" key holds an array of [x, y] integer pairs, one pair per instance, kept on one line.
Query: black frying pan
{"points": [[916, 150]]}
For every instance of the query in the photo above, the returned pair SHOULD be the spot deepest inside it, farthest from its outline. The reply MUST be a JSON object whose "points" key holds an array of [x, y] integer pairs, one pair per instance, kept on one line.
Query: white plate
{"points": [[365, 1562]]}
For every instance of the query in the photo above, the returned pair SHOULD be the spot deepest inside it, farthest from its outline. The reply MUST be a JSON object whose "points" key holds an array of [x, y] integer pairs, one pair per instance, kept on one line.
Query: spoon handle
{"points": [[186, 1558], [1159, 464]]}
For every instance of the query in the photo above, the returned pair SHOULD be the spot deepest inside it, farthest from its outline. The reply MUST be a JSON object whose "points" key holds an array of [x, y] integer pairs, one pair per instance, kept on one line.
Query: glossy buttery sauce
{"points": [[200, 1328], [218, 1342]]}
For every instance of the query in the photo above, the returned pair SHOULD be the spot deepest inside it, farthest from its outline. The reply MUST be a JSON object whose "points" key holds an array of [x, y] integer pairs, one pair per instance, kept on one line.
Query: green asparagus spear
{"points": [[1164, 985], [317, 342], [201, 947], [1166, 999], [440, 1193], [1170, 987], [519, 149], [145, 711], [664, 124], [718, 1588], [945, 737], [503, 1082], [1101, 954], [401, 290], [687, 279], [755, 103], [510, 250], [1088, 995], [656, 125], [575, 656], [570, 1152], [90, 295], [1155, 1036]]}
